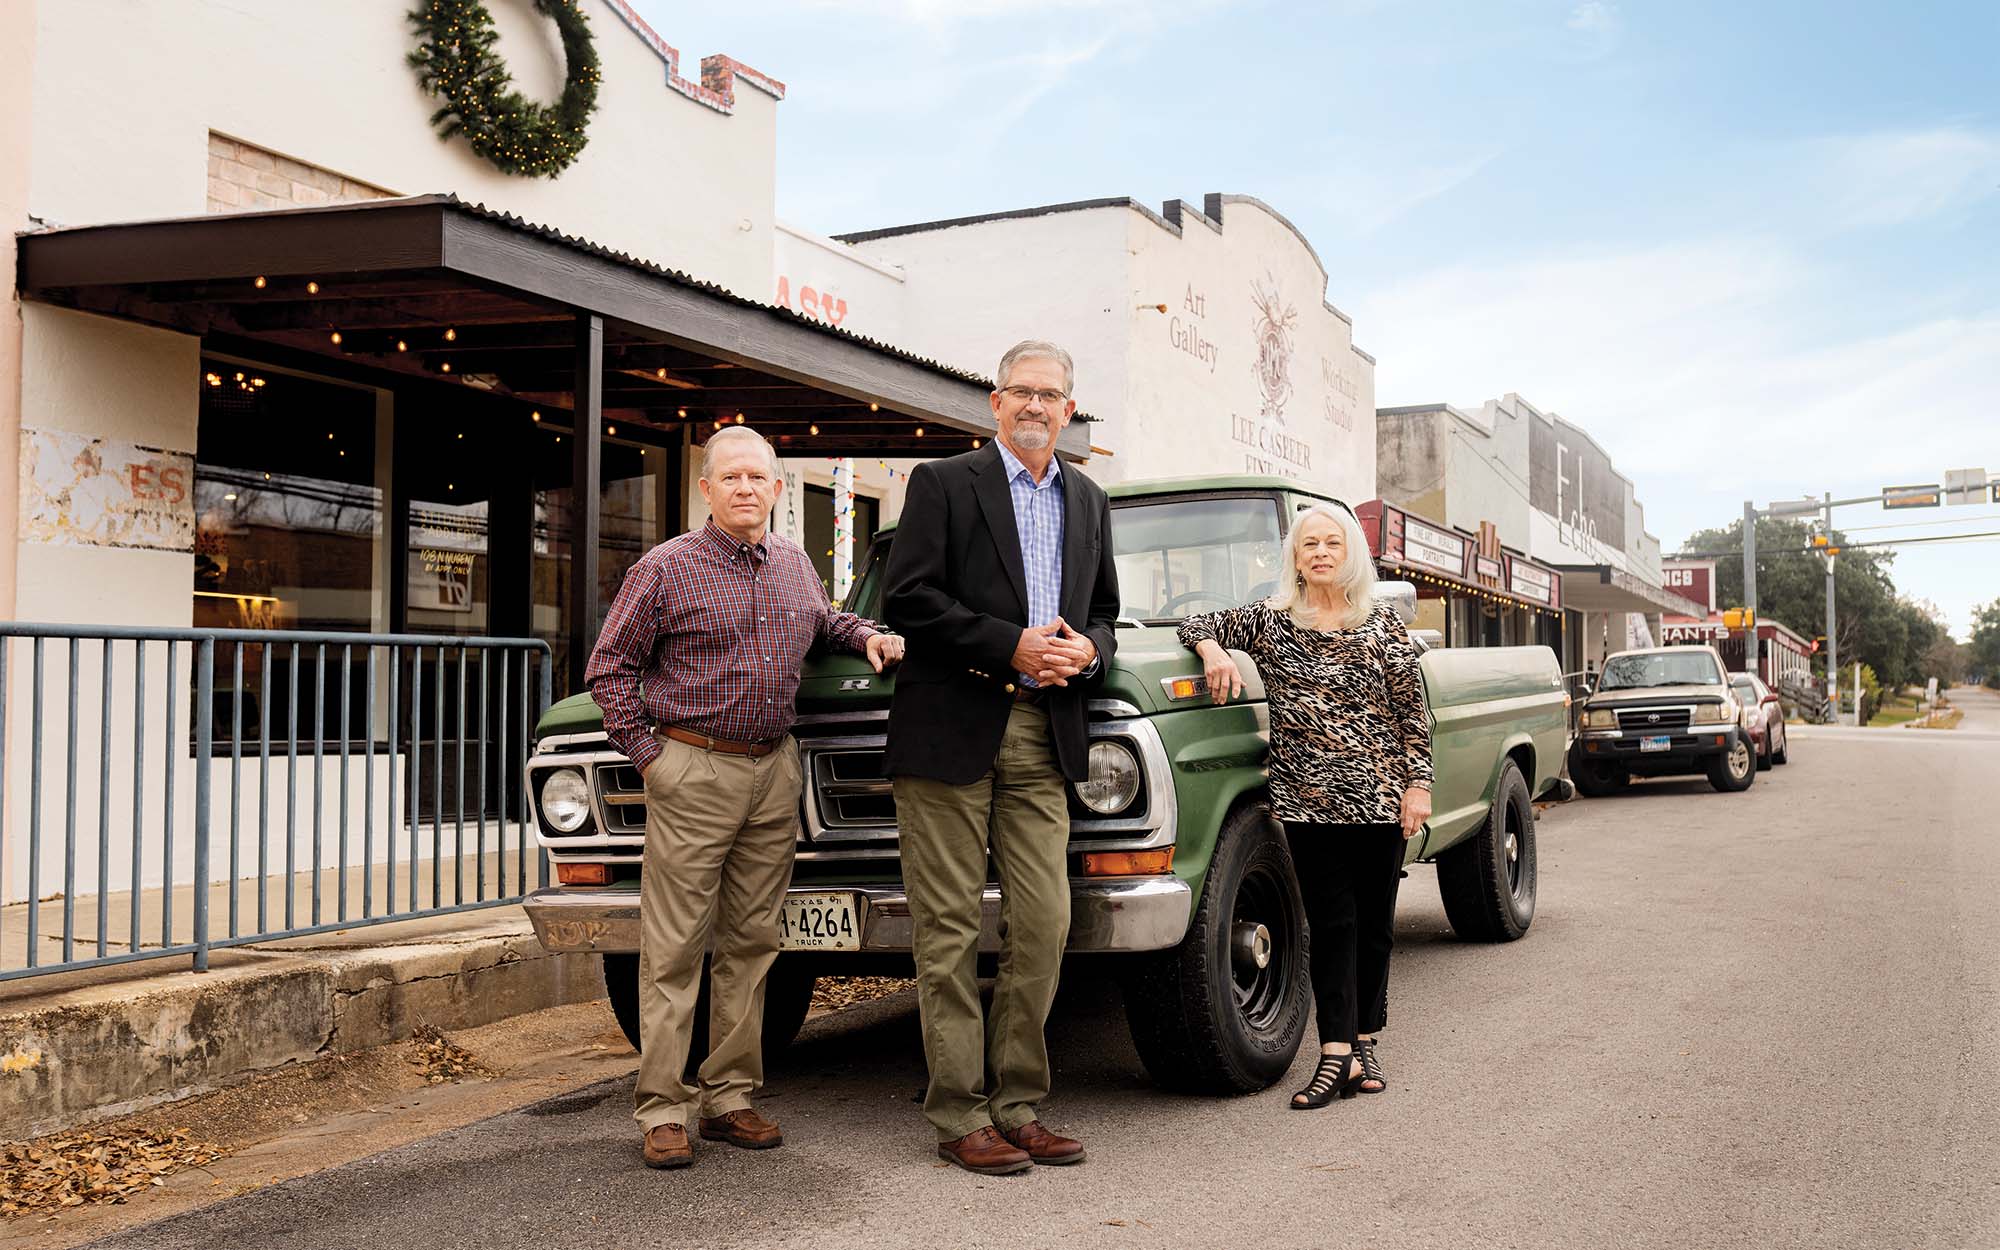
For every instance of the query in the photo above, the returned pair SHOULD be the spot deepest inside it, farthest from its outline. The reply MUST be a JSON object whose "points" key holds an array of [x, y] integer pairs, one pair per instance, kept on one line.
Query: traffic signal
{"points": [[1818, 644], [1738, 618]]}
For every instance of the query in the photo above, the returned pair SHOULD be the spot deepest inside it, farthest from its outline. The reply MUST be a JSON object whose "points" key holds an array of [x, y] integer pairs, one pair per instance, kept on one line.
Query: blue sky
{"points": [[1752, 247]]}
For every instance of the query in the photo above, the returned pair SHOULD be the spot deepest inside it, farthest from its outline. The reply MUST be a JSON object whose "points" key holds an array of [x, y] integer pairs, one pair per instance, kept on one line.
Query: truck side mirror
{"points": [[1402, 596]]}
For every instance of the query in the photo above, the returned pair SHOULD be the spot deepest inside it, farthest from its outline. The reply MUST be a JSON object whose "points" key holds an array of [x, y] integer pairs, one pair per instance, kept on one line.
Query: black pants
{"points": [[1347, 877]]}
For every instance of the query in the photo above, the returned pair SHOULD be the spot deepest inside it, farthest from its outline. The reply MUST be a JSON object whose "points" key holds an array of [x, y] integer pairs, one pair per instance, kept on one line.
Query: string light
{"points": [[402, 346], [535, 415], [336, 338], [874, 407], [739, 418], [446, 366], [661, 374], [920, 431], [681, 412], [312, 288], [260, 284], [611, 430], [450, 335], [813, 428]]}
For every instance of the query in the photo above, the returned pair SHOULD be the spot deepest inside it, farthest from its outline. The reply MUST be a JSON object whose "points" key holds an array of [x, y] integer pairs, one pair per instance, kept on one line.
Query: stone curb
{"points": [[82, 1048]]}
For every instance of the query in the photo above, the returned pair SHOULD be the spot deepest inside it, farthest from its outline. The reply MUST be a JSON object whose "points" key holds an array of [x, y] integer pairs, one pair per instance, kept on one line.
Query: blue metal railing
{"points": [[498, 686]]}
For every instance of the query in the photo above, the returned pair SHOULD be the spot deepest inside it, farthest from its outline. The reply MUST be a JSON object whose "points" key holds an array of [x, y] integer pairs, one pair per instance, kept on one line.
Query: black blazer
{"points": [[958, 594]]}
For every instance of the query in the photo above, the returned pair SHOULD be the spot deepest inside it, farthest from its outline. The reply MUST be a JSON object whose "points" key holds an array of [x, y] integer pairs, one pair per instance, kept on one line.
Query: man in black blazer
{"points": [[1002, 581]]}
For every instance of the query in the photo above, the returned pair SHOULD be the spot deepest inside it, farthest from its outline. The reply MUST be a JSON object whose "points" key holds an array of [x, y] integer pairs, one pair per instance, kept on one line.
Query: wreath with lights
{"points": [[455, 60]]}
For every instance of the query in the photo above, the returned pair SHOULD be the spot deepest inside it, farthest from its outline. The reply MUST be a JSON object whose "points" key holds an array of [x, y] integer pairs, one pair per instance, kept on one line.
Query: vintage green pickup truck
{"points": [[1177, 869]]}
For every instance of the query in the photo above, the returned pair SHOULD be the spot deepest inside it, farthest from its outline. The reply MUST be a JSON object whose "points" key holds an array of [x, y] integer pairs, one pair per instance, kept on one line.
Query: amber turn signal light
{"points": [[1128, 863], [583, 874]]}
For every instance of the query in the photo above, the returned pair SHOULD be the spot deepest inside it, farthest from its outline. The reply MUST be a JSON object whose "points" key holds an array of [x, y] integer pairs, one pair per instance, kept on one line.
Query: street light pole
{"points": [[1750, 587], [1832, 637]]}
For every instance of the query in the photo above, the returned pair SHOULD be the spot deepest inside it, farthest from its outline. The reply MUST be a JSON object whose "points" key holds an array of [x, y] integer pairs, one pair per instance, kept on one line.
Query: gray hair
{"points": [[735, 433], [1036, 349], [1357, 569]]}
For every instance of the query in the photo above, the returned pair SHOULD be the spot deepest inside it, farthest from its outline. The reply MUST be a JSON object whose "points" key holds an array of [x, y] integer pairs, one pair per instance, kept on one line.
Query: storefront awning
{"points": [[1446, 561], [430, 286], [1603, 588]]}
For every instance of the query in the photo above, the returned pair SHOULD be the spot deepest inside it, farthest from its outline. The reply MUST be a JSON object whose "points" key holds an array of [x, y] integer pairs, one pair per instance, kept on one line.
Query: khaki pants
{"points": [[720, 834], [997, 1072]]}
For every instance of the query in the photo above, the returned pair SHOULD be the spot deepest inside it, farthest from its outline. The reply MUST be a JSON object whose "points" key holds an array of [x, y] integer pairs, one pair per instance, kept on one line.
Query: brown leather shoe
{"points": [[1045, 1147], [667, 1147], [986, 1152], [743, 1128]]}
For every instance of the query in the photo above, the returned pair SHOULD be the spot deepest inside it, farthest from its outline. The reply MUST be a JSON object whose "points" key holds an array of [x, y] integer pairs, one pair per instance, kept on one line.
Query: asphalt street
{"points": [[1764, 1020]]}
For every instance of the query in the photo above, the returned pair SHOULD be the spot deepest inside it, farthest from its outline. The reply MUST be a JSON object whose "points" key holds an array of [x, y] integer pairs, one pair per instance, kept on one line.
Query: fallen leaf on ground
{"points": [[75, 1168]]}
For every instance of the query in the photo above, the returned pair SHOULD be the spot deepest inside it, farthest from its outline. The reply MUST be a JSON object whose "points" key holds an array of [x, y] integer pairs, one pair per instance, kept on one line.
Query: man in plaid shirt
{"points": [[696, 671]]}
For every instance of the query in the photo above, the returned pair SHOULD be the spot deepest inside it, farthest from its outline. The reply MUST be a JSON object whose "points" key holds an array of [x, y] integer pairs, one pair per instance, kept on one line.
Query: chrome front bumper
{"points": [[1111, 914]]}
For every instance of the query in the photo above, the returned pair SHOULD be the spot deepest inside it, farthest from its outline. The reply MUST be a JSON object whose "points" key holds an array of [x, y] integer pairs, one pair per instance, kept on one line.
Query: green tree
{"points": [[1874, 626], [1982, 653]]}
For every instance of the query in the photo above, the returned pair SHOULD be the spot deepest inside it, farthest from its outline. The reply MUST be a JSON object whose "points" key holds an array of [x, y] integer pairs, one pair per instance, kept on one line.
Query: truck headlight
{"points": [[1713, 713], [1600, 718], [565, 800], [1113, 781]]}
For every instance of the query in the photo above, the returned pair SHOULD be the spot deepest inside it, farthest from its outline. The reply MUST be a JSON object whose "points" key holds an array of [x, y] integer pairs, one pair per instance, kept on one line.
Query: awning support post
{"points": [[586, 462]]}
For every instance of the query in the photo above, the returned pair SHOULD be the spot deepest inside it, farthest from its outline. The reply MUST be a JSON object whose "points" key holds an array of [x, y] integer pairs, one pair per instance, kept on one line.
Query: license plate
{"points": [[1661, 743], [819, 922]]}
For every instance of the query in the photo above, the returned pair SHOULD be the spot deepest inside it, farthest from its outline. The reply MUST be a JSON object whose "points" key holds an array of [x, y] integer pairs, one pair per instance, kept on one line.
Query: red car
{"points": [[1764, 715]]}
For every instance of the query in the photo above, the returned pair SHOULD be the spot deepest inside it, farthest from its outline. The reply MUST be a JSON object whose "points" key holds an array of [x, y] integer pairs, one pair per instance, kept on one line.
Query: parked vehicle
{"points": [[1765, 713], [1177, 868], [1661, 711]]}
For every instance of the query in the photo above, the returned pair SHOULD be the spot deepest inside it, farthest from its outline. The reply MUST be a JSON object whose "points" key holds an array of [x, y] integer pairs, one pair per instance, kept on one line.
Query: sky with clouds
{"points": [[1754, 249]]}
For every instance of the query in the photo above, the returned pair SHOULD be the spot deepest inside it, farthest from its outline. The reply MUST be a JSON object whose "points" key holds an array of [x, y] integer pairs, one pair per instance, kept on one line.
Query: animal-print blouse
{"points": [[1349, 731]]}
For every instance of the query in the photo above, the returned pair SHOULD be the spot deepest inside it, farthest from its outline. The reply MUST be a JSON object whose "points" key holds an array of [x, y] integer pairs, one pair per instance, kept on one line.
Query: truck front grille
{"points": [[1662, 720]]}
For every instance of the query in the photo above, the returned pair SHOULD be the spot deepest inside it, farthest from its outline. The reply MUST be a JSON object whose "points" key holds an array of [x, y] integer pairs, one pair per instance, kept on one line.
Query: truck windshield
{"points": [[1659, 668], [1183, 556], [1175, 557]]}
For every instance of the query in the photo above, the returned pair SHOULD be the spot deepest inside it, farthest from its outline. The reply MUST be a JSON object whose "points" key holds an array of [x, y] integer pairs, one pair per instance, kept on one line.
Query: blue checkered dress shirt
{"points": [[1038, 517]]}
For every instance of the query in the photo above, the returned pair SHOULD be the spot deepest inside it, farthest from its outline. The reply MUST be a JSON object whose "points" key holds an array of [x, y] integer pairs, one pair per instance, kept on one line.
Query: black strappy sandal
{"points": [[1371, 1068], [1335, 1077]]}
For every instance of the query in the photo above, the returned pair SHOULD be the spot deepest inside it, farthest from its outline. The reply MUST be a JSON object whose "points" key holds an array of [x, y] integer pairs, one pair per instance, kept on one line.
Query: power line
{"points": [[1737, 552]]}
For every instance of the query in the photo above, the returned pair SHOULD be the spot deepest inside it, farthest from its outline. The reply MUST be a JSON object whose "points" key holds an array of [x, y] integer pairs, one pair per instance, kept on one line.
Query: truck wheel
{"points": [[1733, 770], [1488, 881], [1224, 1012], [1595, 781], [787, 998]]}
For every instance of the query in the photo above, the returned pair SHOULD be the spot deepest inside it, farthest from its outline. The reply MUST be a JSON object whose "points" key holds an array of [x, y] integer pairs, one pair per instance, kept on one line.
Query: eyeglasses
{"points": [[1022, 394]]}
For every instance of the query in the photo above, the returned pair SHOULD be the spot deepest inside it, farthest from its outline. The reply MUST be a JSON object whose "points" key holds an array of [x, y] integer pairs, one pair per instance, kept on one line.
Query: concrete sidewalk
{"points": [[81, 1046]]}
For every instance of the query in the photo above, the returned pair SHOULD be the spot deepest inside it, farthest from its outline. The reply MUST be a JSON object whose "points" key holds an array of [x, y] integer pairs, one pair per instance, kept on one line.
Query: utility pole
{"points": [[1832, 637], [1750, 588]]}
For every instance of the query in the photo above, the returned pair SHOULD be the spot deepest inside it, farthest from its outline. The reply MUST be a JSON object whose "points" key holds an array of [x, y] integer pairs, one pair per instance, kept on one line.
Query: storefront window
{"points": [[633, 499], [288, 499]]}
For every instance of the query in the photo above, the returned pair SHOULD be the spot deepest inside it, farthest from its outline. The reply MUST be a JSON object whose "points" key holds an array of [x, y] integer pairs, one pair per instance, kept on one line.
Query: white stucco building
{"points": [[1551, 492], [1204, 339]]}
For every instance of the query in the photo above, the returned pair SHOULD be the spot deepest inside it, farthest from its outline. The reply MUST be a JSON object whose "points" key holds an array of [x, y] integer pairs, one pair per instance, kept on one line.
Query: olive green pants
{"points": [[720, 834], [996, 1071]]}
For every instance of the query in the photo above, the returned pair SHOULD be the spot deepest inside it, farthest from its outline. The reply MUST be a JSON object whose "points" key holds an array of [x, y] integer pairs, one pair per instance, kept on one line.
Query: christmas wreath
{"points": [[455, 60]]}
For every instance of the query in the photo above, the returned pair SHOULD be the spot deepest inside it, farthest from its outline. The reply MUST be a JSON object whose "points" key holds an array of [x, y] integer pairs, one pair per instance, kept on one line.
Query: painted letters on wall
{"points": [[94, 492]]}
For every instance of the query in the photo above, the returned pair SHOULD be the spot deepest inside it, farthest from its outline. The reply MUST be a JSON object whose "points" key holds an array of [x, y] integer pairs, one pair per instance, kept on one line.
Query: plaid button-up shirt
{"points": [[708, 634], [1038, 518]]}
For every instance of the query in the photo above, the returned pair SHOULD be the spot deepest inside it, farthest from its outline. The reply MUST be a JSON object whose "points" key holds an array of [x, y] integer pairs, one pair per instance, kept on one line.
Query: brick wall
{"points": [[243, 177]]}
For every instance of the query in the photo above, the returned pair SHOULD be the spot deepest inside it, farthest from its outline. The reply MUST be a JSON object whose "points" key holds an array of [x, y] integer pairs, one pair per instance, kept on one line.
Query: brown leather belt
{"points": [[1029, 694], [755, 750]]}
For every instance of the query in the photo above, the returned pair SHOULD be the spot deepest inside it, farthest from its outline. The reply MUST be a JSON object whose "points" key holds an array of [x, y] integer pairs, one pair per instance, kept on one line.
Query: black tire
{"points": [[1734, 770], [1595, 781], [787, 998], [1783, 755], [1764, 757], [1206, 1017], [1488, 881]]}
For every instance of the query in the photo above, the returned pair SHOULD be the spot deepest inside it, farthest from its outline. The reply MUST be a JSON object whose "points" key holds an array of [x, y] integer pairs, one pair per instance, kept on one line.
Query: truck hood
{"points": [[1655, 694], [846, 683]]}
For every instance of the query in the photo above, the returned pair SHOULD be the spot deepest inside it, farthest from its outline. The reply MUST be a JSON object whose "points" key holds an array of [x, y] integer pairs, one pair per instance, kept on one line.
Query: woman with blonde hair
{"points": [[1350, 770]]}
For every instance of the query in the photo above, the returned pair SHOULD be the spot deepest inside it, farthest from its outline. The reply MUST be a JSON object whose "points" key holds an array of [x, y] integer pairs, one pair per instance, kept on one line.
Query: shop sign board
{"points": [[1691, 581], [1488, 570], [1433, 548], [1692, 631], [1532, 583]]}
